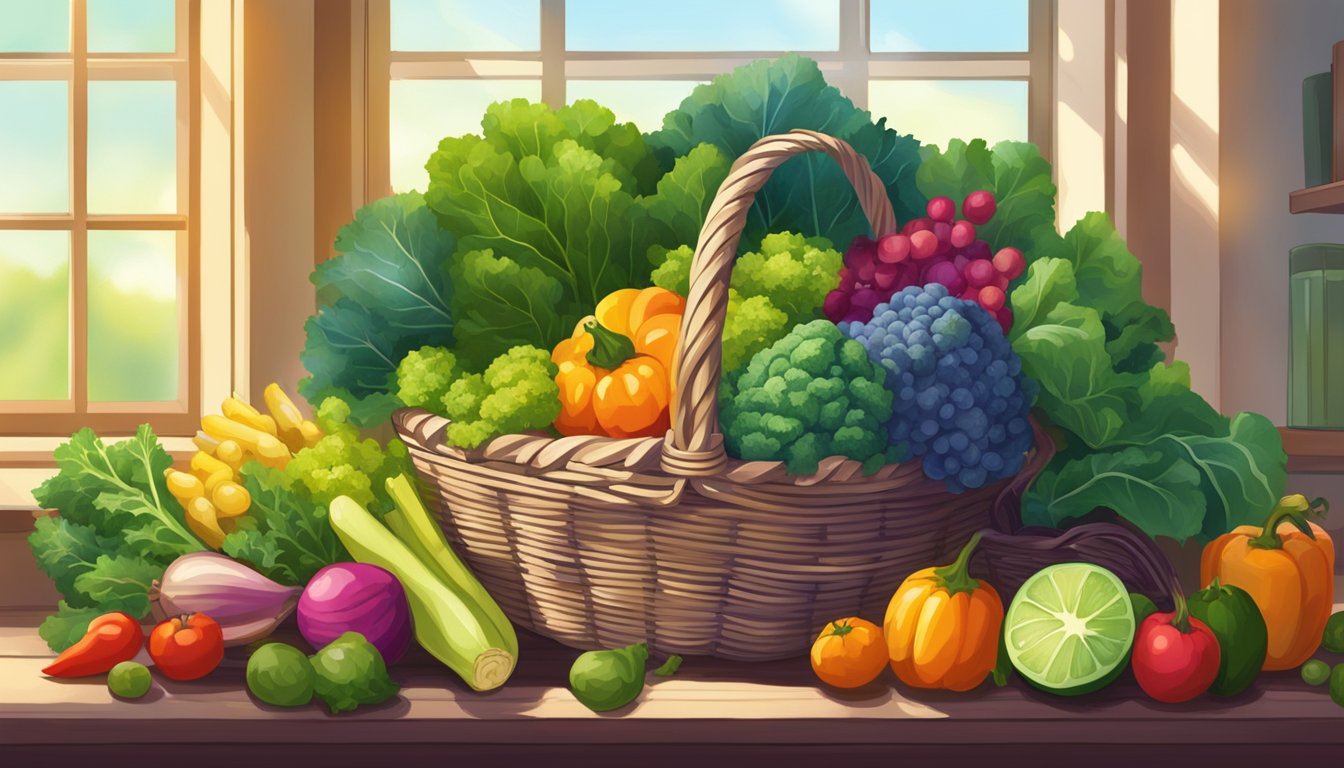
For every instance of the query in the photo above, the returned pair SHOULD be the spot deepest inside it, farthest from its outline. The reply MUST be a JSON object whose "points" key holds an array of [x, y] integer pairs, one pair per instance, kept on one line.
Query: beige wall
{"points": [[1268, 47], [278, 186]]}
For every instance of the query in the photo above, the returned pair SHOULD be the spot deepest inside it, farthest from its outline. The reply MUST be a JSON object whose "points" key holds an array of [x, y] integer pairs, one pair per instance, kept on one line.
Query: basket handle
{"points": [[694, 446]]}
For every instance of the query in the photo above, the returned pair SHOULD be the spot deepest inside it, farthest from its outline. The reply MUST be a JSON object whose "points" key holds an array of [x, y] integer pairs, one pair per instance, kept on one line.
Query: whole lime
{"points": [[280, 675], [1337, 684], [1315, 672], [129, 680], [1333, 640]]}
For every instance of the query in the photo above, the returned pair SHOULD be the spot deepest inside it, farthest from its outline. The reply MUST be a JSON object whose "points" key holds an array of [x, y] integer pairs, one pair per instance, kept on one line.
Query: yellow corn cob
{"points": [[266, 447], [236, 409], [203, 466], [287, 416], [231, 499]]}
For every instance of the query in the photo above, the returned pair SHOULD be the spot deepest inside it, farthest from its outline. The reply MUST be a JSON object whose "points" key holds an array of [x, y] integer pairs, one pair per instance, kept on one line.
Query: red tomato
{"points": [[1172, 665], [187, 647]]}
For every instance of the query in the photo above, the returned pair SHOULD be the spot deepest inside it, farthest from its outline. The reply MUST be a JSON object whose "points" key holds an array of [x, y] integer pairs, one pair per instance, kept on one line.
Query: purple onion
{"points": [[356, 597]]}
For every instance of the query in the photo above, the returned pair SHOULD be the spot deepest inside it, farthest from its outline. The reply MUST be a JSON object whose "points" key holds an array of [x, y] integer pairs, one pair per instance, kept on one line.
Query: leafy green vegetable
{"points": [[806, 194], [554, 210], [1014, 171], [289, 539], [350, 672], [772, 289], [1137, 439], [118, 529], [385, 294]]}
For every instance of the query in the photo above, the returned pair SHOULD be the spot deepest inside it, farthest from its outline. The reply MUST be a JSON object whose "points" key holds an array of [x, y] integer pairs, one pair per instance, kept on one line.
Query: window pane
{"points": [[642, 102], [949, 25], [466, 25], [132, 146], [133, 340], [993, 110], [34, 146], [424, 111], [703, 25], [131, 26], [34, 27], [35, 315]]}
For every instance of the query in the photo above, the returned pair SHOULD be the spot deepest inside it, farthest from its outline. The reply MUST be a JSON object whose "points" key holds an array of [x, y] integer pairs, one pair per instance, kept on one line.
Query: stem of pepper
{"points": [[1181, 621], [610, 348], [1293, 509], [956, 577]]}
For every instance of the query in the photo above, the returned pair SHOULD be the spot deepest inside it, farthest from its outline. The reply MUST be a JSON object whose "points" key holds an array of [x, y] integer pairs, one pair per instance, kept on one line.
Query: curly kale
{"points": [[810, 395]]}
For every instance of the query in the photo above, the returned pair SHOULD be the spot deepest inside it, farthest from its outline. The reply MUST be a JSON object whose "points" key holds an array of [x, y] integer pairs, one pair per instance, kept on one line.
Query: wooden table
{"points": [[710, 712]]}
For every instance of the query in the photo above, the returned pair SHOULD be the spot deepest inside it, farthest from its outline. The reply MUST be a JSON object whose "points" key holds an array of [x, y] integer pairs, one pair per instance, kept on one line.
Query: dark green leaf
{"points": [[500, 304], [120, 583], [65, 551], [65, 627]]}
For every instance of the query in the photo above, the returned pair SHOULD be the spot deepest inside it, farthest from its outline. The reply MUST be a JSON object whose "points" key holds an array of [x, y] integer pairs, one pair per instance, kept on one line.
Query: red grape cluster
{"points": [[930, 249]]}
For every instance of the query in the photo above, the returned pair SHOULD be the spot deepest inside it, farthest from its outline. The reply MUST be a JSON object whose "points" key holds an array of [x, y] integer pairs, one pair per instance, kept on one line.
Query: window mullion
{"points": [[553, 52], [79, 249]]}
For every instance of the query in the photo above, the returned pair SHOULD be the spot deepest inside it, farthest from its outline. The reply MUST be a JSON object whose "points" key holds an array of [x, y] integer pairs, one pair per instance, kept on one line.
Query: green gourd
{"points": [[1242, 636], [607, 680]]}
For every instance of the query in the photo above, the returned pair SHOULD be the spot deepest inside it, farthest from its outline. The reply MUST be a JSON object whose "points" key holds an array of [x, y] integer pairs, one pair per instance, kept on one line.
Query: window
{"points": [[97, 243], [956, 68]]}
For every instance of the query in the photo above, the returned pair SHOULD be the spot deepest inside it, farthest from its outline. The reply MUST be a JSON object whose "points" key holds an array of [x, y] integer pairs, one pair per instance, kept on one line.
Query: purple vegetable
{"points": [[356, 597]]}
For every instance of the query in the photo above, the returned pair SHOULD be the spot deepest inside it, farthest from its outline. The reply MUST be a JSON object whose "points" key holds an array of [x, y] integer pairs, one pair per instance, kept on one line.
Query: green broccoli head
{"points": [[424, 375], [516, 393], [810, 395]]}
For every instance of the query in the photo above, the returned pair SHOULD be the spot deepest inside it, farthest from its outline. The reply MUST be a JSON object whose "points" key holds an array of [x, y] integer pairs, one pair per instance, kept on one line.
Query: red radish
{"points": [[1000, 282], [970, 294], [1176, 656], [979, 273], [835, 305], [923, 244], [963, 234], [943, 231], [946, 273], [1005, 318], [979, 207], [1009, 262], [978, 249], [916, 225], [863, 302], [942, 209], [960, 261], [865, 272], [893, 249], [991, 298], [886, 275]]}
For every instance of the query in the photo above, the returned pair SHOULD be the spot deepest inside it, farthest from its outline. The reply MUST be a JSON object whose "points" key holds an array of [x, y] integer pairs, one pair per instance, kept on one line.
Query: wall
{"points": [[278, 186], [1268, 47]]}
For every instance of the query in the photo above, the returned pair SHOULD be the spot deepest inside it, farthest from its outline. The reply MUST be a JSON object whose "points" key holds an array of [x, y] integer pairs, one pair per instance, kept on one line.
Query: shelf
{"points": [[1326, 198], [763, 713], [1314, 450]]}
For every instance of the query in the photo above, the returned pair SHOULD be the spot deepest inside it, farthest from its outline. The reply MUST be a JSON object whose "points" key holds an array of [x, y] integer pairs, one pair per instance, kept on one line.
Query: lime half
{"points": [[1070, 628]]}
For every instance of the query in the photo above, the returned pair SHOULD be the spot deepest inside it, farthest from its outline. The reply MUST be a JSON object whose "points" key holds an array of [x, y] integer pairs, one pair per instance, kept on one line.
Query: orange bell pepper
{"points": [[942, 627], [1287, 566], [615, 370]]}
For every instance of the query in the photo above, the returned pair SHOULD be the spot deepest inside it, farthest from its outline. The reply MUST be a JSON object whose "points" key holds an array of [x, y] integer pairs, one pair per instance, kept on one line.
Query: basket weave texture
{"points": [[599, 542]]}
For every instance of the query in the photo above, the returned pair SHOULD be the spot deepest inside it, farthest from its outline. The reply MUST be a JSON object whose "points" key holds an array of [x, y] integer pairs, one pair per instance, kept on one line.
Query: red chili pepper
{"points": [[110, 639]]}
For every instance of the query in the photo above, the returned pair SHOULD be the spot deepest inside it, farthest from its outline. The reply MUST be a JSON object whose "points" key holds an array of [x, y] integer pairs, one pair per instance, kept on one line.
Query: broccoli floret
{"points": [[962, 400], [516, 393], [343, 464], [810, 395], [424, 375], [773, 289]]}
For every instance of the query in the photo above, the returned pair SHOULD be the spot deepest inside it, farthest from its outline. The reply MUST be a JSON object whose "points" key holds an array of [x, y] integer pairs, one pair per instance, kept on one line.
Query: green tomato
{"points": [[1337, 684], [129, 680], [1315, 672], [280, 675], [1333, 640], [607, 680]]}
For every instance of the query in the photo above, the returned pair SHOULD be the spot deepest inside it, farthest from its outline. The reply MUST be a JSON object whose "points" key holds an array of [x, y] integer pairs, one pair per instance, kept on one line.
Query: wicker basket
{"points": [[599, 542]]}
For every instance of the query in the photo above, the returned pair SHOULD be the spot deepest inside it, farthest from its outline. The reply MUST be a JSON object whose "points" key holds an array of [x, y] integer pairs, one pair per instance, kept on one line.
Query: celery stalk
{"points": [[450, 627], [445, 561]]}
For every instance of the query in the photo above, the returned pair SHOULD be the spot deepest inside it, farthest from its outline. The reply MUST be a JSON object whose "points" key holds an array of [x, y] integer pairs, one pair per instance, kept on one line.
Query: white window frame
{"points": [[851, 67], [219, 335]]}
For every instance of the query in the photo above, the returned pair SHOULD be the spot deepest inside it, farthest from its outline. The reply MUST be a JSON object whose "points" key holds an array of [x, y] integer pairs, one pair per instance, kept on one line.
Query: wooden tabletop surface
{"points": [[709, 704]]}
